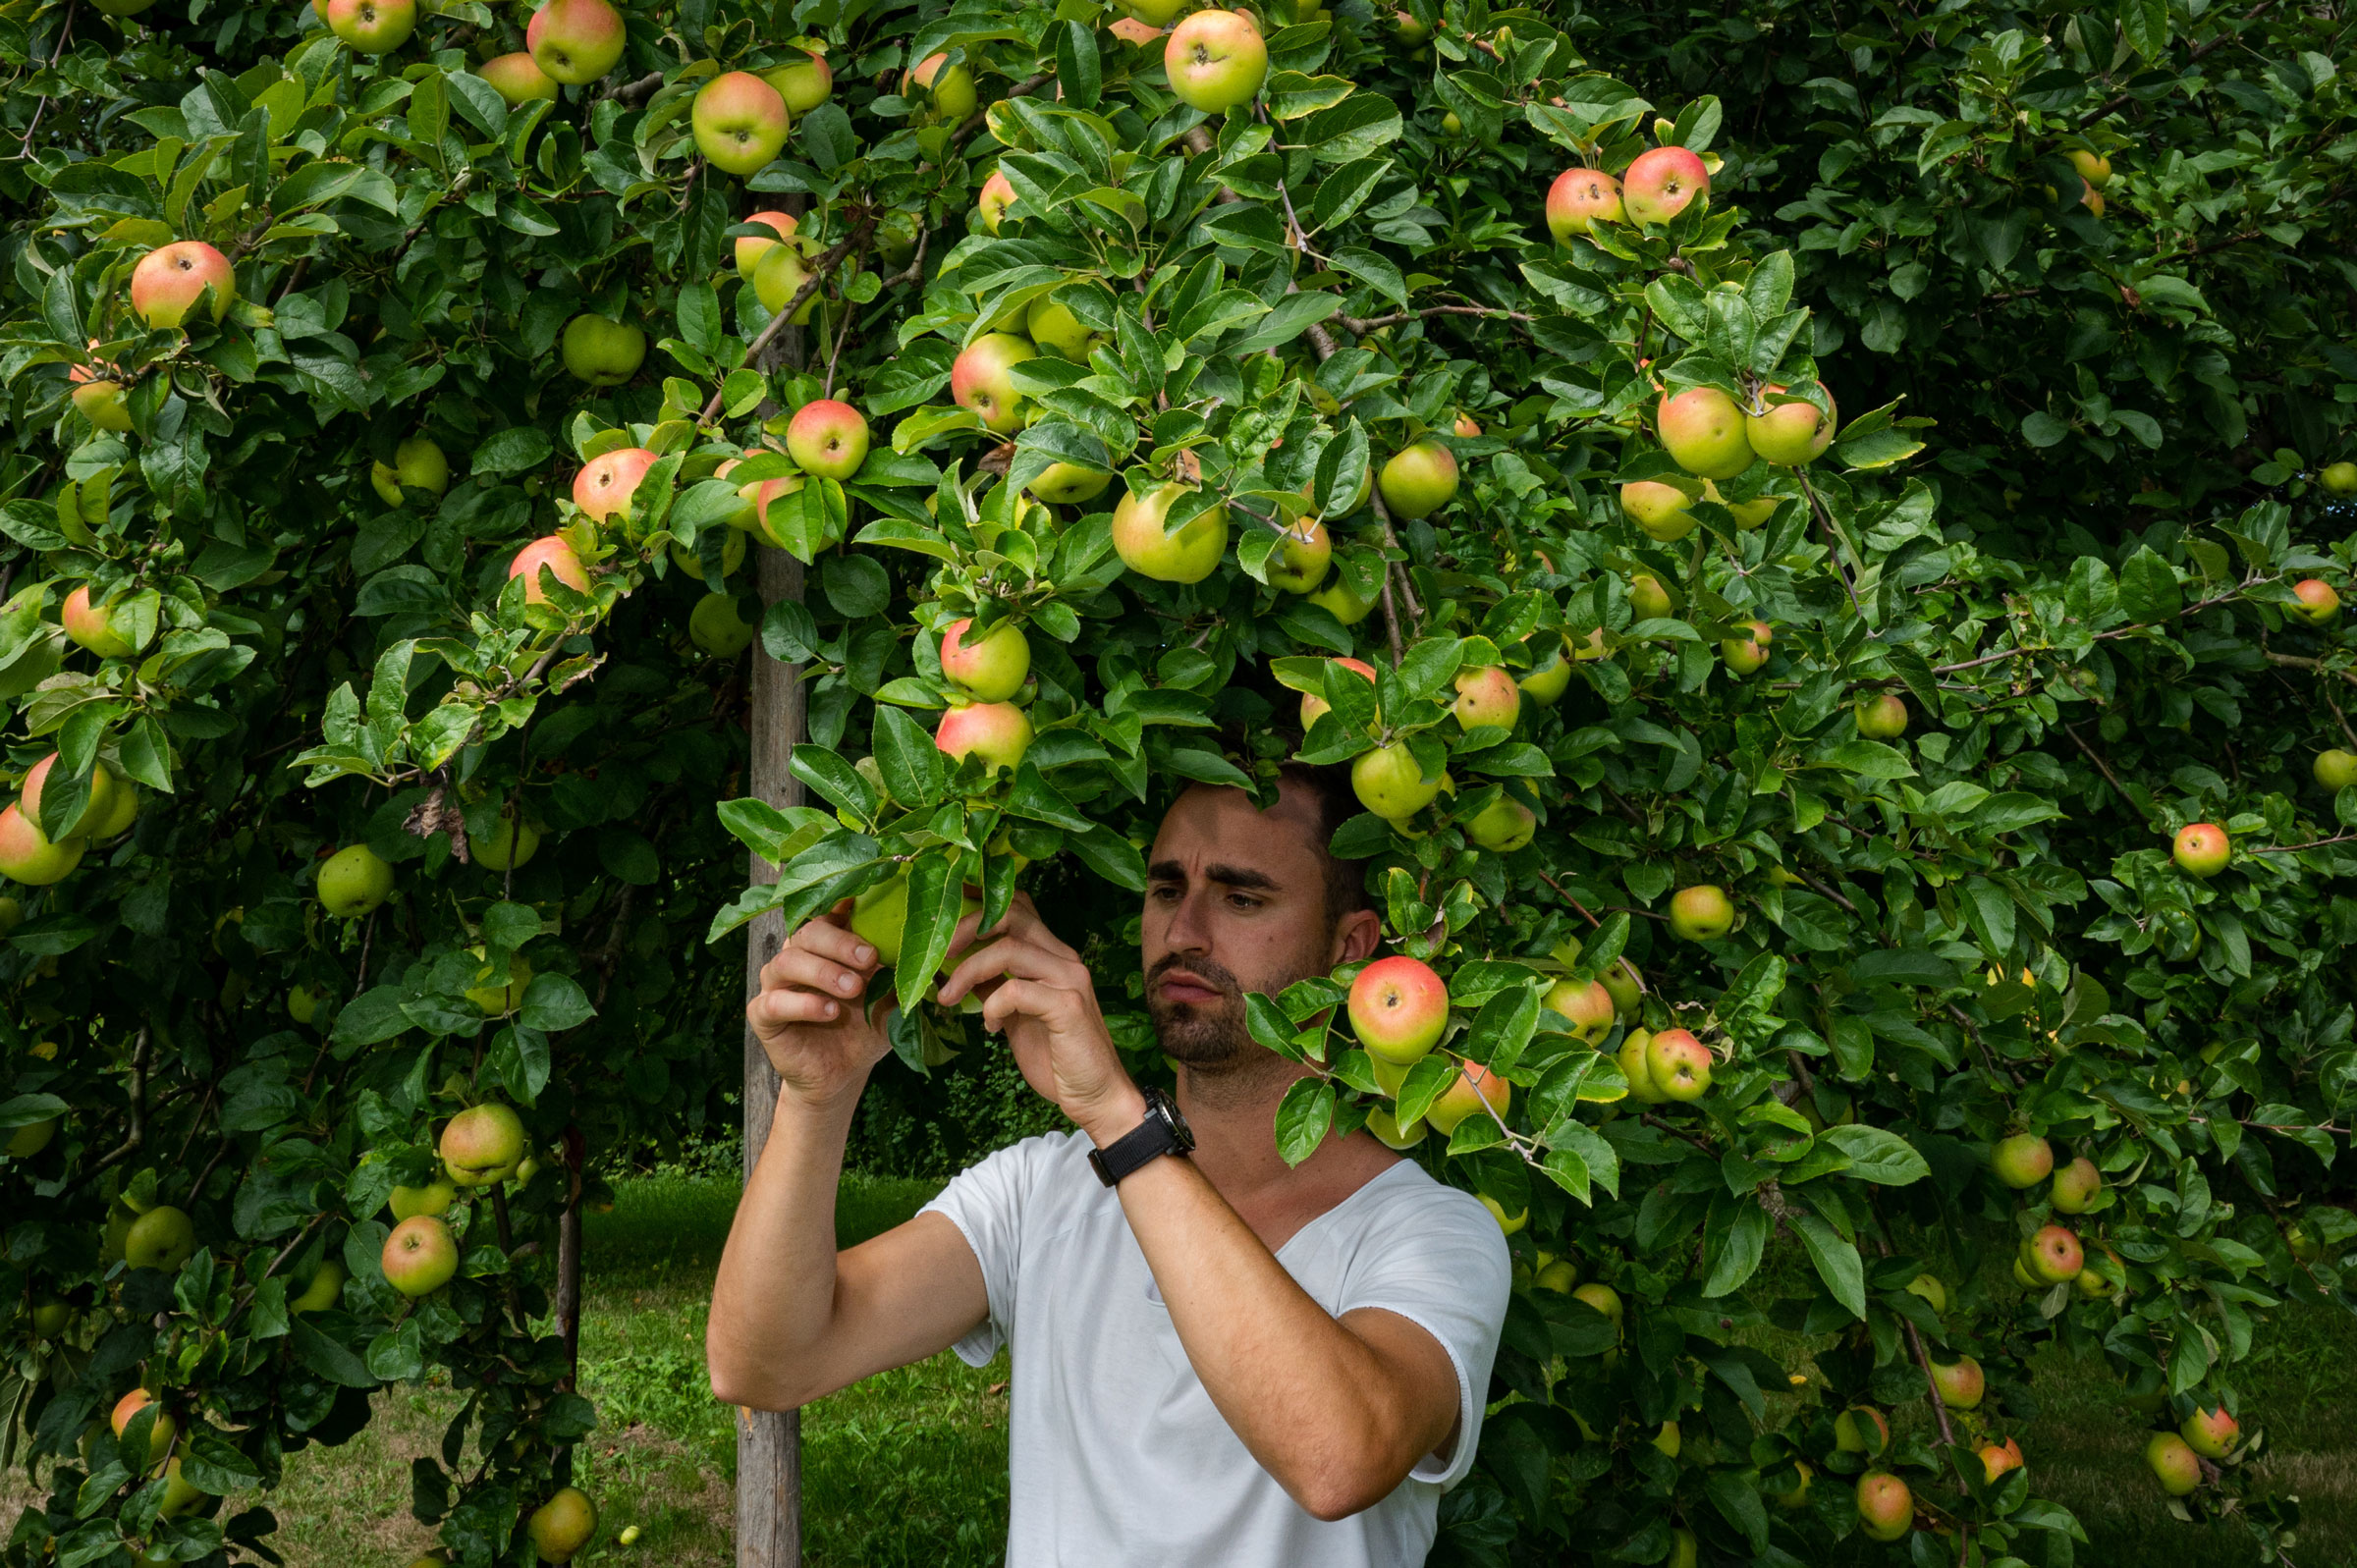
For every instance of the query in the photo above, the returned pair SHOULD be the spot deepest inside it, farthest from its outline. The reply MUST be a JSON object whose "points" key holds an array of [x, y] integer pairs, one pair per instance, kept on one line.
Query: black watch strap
{"points": [[1163, 1132]]}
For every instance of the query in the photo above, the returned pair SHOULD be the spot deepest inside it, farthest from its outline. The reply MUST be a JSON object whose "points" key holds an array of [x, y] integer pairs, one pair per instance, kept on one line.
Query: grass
{"points": [[908, 1470]]}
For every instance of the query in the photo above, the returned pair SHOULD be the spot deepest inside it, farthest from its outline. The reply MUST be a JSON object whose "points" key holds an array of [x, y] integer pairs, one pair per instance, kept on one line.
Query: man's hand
{"points": [[1045, 1002], [808, 1013]]}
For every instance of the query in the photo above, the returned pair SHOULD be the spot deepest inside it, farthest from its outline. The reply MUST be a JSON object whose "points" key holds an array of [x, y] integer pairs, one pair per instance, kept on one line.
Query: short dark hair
{"points": [[1337, 803]]}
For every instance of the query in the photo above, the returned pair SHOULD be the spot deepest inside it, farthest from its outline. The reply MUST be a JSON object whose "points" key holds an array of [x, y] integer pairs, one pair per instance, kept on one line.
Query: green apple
{"points": [[1216, 60], [1140, 536], [1702, 429], [2336, 769], [602, 352], [749, 249], [576, 41], [2339, 477], [372, 26], [1790, 435], [482, 1144], [1486, 696], [353, 881], [1659, 509], [1298, 563], [740, 121], [434, 1198], [418, 464], [420, 1256], [1390, 782], [2212, 1434], [803, 84], [981, 378], [2076, 1187], [1679, 1064], [991, 668], [1504, 825], [164, 1238], [1418, 480], [1584, 1004], [2022, 1161], [998, 732], [1746, 654], [511, 845], [1339, 601], [563, 1525], [518, 78], [951, 91], [1881, 717], [327, 1284], [2173, 1461], [1056, 330], [1701, 913]]}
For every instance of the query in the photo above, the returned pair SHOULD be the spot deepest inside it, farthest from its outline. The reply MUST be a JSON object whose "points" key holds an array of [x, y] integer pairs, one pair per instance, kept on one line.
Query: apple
{"points": [[2212, 1434], [1577, 198], [1745, 655], [1931, 1290], [2202, 850], [2076, 1186], [1399, 1008], [1216, 60], [1299, 561], [24, 1142], [576, 41], [741, 122], [1140, 537], [418, 464], [1503, 827], [2174, 1462], [1339, 600], [981, 379], [1390, 782], [1885, 1508], [803, 84], [1702, 430], [164, 1237], [1586, 1005], [303, 1003], [93, 628], [168, 282], [1604, 1298], [1388, 1131], [326, 1285], [1366, 488], [159, 1435], [497, 997], [2313, 601], [1669, 1442], [998, 732], [750, 249], [602, 352], [2022, 1161], [2053, 1255], [518, 78], [1701, 913], [1679, 1064], [604, 487], [1659, 509], [1960, 1382], [1486, 696], [1512, 1224], [372, 26], [1546, 682], [1649, 599], [51, 1318], [1069, 484], [100, 398], [1798, 1494], [482, 1144], [434, 1198], [1749, 515], [2339, 477], [96, 809], [991, 668], [420, 1256], [1882, 718], [2094, 1285], [879, 914], [828, 437], [1313, 705], [1626, 987], [2023, 1277], [1996, 1459], [353, 881], [1056, 330], [1861, 1429], [1473, 1087], [1418, 480], [543, 557], [1661, 182], [180, 1497], [563, 1525], [1790, 435], [951, 90], [992, 201], [2093, 167], [1467, 427], [1637, 1069]]}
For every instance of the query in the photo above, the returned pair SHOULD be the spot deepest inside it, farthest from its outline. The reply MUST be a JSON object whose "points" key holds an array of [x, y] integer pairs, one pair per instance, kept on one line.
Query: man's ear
{"points": [[1356, 936]]}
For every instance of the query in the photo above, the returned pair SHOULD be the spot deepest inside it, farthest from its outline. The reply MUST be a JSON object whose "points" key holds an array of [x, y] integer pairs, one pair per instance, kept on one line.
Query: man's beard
{"points": [[1210, 1039]]}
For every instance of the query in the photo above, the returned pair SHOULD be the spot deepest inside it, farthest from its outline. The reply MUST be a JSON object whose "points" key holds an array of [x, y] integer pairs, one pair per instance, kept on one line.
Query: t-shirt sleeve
{"points": [[1445, 1268], [985, 1202]]}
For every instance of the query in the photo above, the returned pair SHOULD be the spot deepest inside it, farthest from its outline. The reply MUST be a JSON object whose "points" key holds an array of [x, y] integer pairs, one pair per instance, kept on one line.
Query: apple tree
{"points": [[1859, 877]]}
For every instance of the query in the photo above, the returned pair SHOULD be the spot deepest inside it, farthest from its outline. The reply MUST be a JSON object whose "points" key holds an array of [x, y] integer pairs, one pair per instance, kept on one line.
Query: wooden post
{"points": [[769, 1452]]}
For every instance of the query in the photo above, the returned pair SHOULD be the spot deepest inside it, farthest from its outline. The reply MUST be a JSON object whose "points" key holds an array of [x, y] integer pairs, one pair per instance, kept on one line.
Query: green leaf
{"points": [[1877, 1156], [515, 450], [2148, 587], [1837, 1262], [907, 758], [1734, 1239], [1303, 1116], [554, 1004]]}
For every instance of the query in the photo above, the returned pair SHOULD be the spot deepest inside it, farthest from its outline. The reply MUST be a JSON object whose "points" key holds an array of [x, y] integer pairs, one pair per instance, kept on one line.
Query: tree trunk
{"points": [[769, 1457]]}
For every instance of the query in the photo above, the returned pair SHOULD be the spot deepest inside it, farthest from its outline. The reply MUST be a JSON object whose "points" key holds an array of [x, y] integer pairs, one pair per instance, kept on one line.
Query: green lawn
{"points": [[909, 1468]]}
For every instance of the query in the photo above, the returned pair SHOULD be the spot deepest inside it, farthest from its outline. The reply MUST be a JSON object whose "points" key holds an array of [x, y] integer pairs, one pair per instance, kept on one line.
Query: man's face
{"points": [[1236, 901]]}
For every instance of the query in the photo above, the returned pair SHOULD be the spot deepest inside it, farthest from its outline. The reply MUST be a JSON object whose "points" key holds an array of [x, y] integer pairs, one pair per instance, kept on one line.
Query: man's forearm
{"points": [[1310, 1399], [774, 1298]]}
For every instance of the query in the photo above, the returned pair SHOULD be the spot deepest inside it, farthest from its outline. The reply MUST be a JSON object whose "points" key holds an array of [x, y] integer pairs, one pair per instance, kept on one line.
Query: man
{"points": [[1217, 1358]]}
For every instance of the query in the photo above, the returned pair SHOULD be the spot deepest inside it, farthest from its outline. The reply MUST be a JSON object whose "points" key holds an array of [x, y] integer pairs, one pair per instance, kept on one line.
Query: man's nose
{"points": [[1190, 926]]}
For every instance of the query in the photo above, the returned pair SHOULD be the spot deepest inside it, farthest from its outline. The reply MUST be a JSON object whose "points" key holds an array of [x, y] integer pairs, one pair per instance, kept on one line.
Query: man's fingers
{"points": [[781, 1008], [830, 939], [1021, 998], [1017, 958], [797, 966]]}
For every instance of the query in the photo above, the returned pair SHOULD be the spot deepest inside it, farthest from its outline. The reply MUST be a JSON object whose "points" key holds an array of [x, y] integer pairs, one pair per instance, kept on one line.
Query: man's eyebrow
{"points": [[1225, 876]]}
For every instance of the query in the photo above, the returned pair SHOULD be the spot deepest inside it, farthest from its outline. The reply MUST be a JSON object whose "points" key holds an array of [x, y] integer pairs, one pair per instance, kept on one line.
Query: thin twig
{"points": [[2108, 107], [1360, 325], [779, 322], [2097, 758]]}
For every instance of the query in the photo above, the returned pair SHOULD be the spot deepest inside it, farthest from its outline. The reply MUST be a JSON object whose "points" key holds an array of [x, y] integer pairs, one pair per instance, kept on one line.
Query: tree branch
{"points": [[779, 322]]}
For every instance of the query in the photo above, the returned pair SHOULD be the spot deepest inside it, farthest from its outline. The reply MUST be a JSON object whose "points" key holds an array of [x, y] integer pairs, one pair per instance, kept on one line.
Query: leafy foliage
{"points": [[1942, 936]]}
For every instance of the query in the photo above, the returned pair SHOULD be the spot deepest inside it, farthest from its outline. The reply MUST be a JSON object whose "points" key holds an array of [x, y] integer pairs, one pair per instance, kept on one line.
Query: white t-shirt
{"points": [[1118, 1458]]}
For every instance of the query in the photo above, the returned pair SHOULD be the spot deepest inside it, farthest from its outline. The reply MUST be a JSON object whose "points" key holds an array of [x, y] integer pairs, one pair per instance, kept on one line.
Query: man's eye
{"points": [[1244, 901], [1165, 893]]}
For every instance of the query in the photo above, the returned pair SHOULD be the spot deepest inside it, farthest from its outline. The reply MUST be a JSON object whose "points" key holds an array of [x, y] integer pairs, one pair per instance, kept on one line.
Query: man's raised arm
{"points": [[792, 1320]]}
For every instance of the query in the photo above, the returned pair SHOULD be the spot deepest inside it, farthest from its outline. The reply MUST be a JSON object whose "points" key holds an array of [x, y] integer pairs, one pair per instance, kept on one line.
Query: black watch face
{"points": [[1179, 1130]]}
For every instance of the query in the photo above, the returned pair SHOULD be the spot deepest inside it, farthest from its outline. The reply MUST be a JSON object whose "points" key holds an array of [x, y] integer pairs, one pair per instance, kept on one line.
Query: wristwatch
{"points": [[1163, 1132]]}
